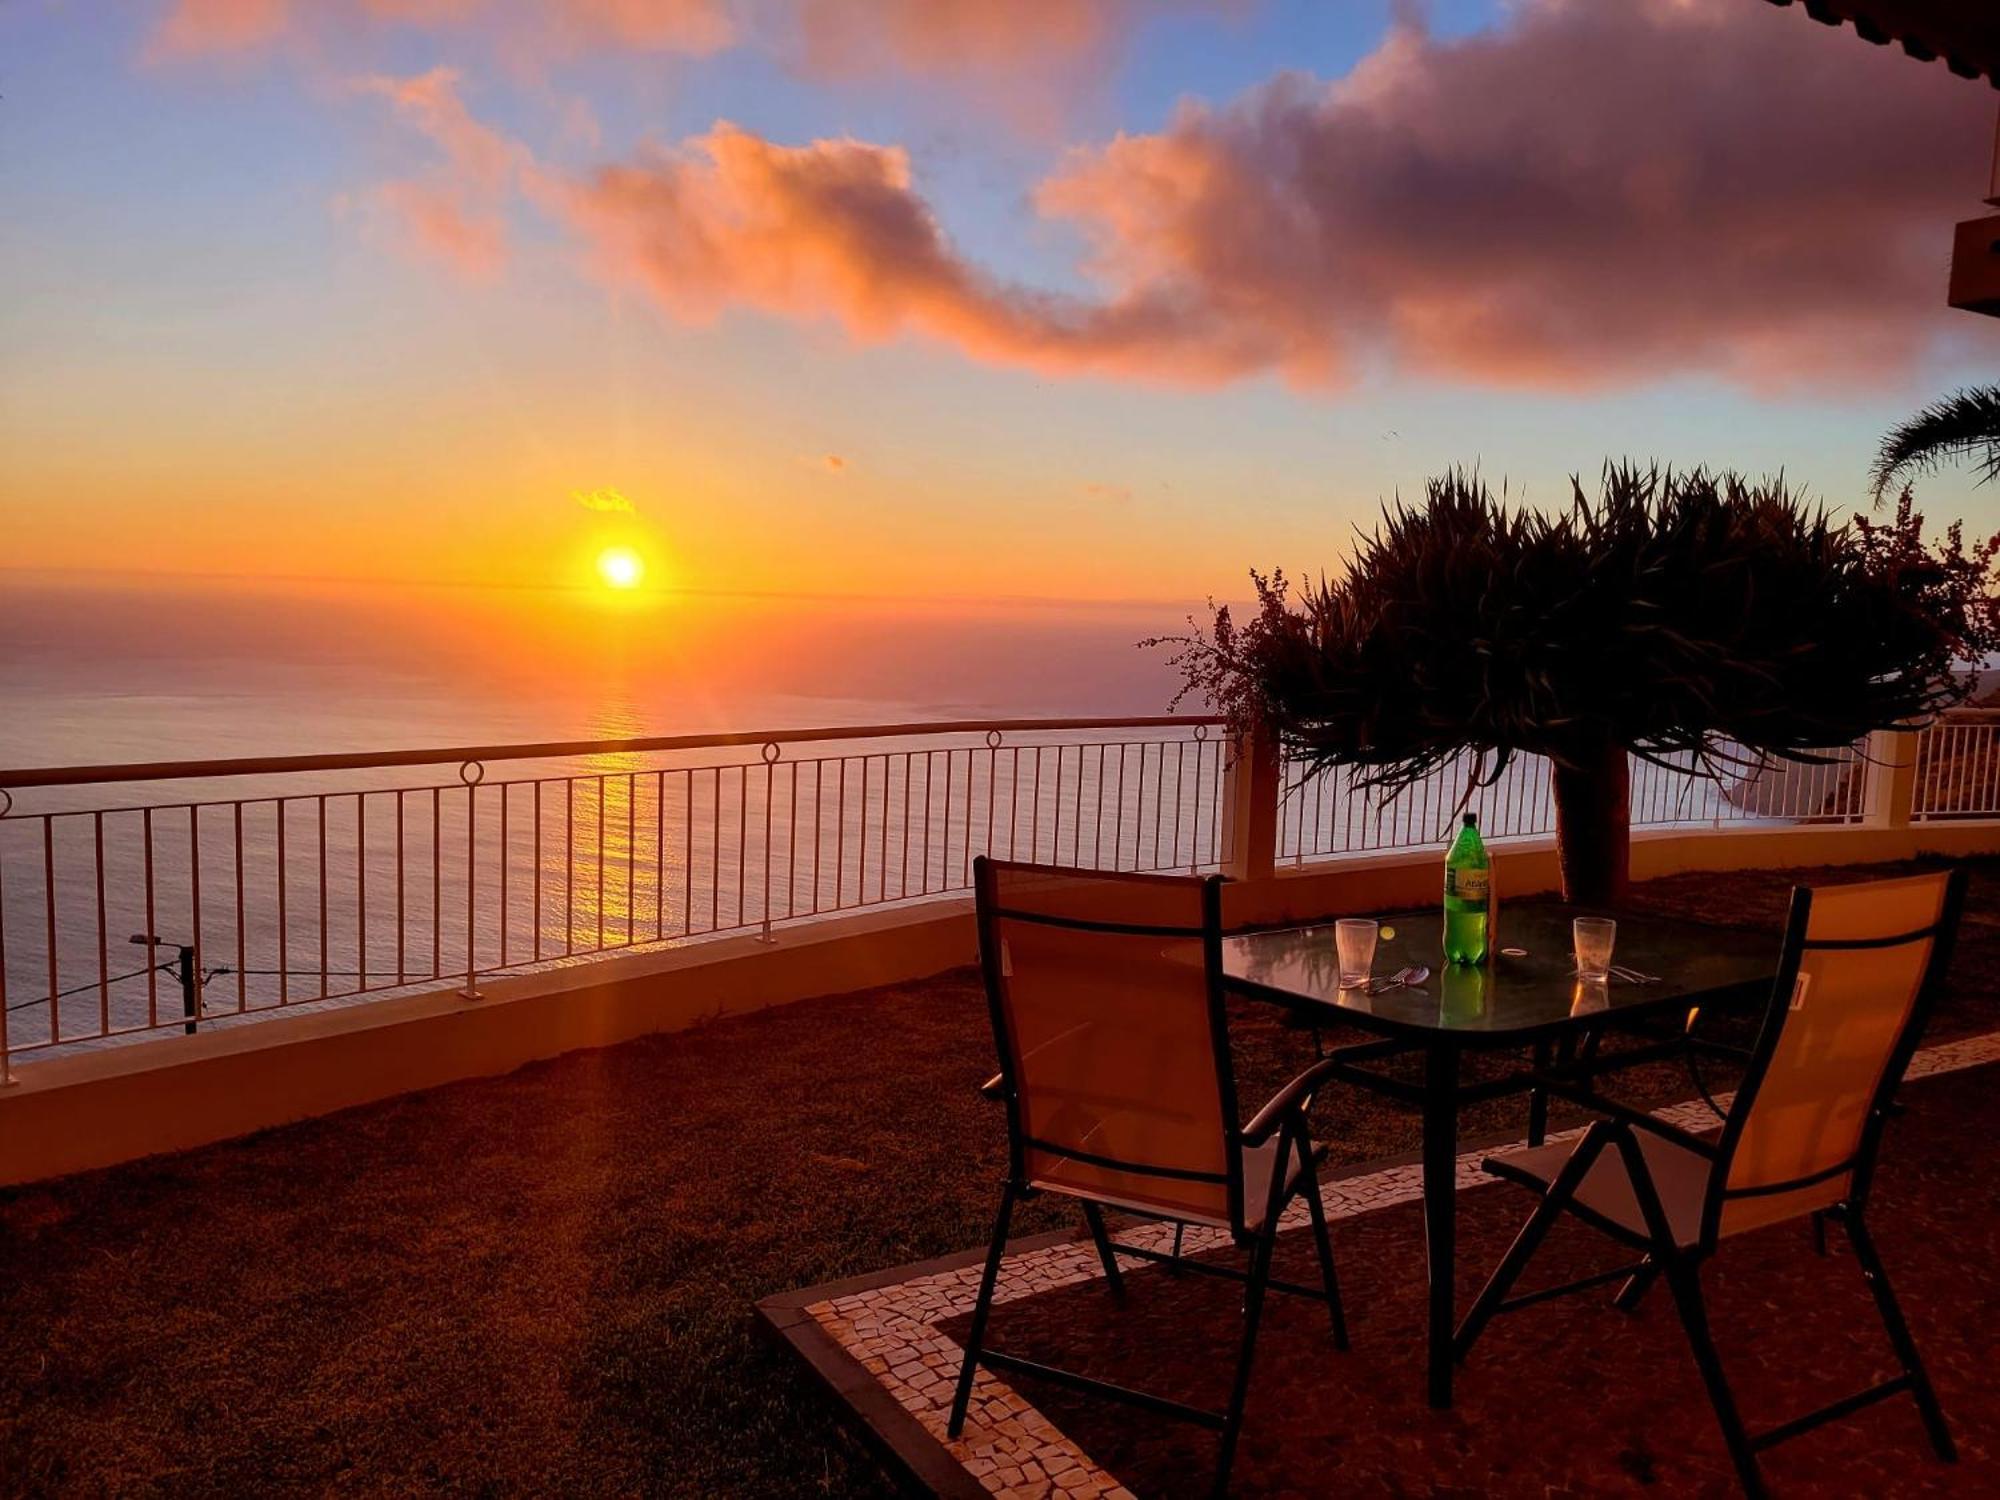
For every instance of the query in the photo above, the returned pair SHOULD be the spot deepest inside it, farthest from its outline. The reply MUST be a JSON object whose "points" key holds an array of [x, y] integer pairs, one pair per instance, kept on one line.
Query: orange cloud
{"points": [[1523, 206], [480, 158], [945, 36], [196, 26], [837, 230], [695, 27], [458, 215], [605, 499], [843, 37], [440, 222]]}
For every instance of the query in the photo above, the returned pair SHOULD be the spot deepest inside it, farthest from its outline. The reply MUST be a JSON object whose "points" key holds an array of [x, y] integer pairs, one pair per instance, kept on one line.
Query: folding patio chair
{"points": [[1107, 1008], [1859, 973]]}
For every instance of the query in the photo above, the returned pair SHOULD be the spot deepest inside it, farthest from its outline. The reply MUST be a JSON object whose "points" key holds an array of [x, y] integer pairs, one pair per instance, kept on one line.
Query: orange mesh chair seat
{"points": [[1258, 1163], [1859, 974], [1106, 998], [1605, 1195]]}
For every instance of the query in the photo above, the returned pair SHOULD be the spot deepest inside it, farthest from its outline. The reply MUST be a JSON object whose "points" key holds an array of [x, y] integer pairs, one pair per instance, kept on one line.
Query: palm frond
{"points": [[1964, 424]]}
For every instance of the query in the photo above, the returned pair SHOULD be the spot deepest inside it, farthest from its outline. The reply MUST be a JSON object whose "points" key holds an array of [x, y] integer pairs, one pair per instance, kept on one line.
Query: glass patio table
{"points": [[1530, 1000]]}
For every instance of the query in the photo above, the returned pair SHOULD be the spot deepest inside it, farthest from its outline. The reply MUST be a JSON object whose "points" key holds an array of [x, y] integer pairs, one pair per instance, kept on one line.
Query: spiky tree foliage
{"points": [[1963, 425], [1692, 616]]}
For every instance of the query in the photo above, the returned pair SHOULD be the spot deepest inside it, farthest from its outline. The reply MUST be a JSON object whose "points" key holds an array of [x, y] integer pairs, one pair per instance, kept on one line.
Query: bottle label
{"points": [[1465, 884]]}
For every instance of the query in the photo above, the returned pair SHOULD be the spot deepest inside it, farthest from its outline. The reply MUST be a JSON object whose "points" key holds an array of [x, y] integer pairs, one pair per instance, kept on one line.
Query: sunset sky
{"points": [[1086, 299]]}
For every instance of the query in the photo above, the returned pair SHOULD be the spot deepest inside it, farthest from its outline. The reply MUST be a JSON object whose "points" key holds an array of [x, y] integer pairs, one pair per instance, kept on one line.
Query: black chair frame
{"points": [[1282, 1121], [1663, 1258]]}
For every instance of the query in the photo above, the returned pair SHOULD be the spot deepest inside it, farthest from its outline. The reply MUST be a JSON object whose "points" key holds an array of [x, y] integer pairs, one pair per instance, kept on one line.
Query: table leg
{"points": [[1557, 1058], [1441, 1212]]}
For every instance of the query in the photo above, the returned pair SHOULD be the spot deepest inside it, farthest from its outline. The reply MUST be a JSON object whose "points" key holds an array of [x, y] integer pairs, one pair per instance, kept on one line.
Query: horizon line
{"points": [[591, 590]]}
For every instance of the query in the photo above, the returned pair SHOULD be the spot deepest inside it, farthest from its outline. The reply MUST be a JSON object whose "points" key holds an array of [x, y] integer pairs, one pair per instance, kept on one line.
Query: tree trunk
{"points": [[1594, 826]]}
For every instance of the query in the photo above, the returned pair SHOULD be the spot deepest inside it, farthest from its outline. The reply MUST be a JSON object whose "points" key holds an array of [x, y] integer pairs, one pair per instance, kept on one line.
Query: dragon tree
{"points": [[1700, 621]]}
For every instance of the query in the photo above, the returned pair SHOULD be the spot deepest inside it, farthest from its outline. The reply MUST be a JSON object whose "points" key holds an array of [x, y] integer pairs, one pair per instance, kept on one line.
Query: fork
{"points": [[1632, 976]]}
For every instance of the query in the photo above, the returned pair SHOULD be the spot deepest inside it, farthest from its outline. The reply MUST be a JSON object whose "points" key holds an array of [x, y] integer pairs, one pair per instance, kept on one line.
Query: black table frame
{"points": [[1566, 1046]]}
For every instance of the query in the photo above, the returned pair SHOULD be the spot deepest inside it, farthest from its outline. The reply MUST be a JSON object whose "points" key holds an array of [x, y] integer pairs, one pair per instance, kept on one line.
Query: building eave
{"points": [[1964, 37]]}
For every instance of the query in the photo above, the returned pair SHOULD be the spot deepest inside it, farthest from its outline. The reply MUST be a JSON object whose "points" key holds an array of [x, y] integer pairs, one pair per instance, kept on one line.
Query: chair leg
{"points": [[1637, 1285], [1526, 1243], [1094, 1216], [1819, 1231], [1899, 1337], [976, 1337], [1684, 1282], [1253, 1312], [1174, 1265], [1323, 1242]]}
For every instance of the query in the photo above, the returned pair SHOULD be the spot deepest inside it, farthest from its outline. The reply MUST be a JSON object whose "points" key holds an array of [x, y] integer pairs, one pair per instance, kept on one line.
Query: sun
{"points": [[621, 567]]}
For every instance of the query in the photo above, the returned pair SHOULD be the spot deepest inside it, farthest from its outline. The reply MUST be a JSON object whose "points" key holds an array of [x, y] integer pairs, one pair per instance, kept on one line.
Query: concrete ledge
{"points": [[98, 1108]]}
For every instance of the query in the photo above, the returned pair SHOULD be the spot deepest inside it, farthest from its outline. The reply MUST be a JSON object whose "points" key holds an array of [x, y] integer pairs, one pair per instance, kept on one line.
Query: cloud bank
{"points": [[1586, 195]]}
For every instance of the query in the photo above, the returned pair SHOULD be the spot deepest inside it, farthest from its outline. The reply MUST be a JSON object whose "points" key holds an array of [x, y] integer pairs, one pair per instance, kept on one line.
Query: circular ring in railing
{"points": [[472, 772], [6, 802], [993, 738], [771, 751], [1200, 733]]}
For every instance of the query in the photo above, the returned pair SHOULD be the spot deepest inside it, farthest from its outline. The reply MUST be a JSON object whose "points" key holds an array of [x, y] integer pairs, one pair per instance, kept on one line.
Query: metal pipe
{"points": [[272, 765]]}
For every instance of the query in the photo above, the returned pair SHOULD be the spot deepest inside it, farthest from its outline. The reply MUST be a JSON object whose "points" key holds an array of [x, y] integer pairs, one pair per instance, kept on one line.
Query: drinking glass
{"points": [[1593, 937], [1354, 937], [1589, 997]]}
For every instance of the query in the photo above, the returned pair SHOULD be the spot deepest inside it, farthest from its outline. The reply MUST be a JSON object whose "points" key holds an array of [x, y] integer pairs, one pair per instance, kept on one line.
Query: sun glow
{"points": [[620, 567]]}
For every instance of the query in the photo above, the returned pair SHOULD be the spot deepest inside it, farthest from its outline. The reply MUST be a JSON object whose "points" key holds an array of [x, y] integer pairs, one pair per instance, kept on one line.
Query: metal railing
{"points": [[310, 880], [1958, 768], [242, 888], [1329, 815]]}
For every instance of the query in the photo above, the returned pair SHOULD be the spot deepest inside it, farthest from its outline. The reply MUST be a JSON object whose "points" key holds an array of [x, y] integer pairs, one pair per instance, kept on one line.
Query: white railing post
{"points": [[1890, 787], [6, 1060], [1250, 808], [473, 772], [769, 755]]}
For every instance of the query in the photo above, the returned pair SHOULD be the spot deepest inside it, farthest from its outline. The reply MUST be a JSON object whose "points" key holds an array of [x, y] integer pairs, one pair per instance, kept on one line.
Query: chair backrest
{"points": [[1859, 973], [1108, 1016]]}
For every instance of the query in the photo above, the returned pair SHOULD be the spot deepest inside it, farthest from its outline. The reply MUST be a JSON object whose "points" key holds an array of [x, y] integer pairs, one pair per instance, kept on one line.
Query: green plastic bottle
{"points": [[1465, 892]]}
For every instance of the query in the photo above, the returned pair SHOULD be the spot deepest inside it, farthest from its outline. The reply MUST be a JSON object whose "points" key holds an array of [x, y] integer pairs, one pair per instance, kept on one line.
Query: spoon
{"points": [[1409, 975]]}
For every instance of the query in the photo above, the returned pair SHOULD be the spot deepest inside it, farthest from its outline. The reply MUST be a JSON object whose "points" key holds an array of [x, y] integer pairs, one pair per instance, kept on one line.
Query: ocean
{"points": [[359, 882], [101, 672]]}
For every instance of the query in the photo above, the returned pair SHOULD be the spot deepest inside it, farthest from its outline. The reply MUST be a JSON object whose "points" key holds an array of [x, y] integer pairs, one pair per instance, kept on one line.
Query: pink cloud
{"points": [[196, 26], [695, 27], [843, 37], [440, 222], [947, 36], [457, 214], [479, 156], [1585, 195]]}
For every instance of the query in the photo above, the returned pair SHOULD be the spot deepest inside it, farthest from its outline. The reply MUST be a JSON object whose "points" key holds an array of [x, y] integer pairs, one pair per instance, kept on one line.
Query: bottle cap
{"points": [[1472, 820]]}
